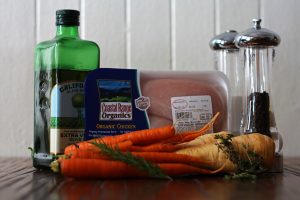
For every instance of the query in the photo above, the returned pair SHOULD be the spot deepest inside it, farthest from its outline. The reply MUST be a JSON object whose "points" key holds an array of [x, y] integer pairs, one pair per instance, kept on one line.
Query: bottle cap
{"points": [[257, 37], [224, 41], [67, 17]]}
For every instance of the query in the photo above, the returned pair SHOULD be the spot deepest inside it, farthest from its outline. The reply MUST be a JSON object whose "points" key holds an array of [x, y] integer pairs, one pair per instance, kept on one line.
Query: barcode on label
{"points": [[183, 115], [205, 116]]}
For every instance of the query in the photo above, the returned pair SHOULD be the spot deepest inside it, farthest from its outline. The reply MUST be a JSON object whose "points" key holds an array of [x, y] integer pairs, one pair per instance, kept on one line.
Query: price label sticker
{"points": [[191, 112]]}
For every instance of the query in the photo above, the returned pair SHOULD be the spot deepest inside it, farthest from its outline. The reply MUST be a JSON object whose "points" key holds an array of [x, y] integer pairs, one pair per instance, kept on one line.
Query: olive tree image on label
{"points": [[67, 115]]}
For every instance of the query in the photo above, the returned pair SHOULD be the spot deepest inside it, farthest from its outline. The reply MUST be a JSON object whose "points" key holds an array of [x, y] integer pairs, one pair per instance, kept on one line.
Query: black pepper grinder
{"points": [[257, 52], [226, 57]]}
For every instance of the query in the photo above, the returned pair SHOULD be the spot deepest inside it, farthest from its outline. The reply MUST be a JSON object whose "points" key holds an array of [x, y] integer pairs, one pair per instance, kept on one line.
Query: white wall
{"points": [[146, 34]]}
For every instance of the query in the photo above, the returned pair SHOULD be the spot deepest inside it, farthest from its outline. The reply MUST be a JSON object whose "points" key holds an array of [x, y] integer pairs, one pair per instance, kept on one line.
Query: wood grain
{"points": [[19, 180]]}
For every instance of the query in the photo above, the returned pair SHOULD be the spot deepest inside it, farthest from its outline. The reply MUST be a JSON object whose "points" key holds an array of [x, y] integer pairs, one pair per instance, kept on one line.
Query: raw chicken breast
{"points": [[160, 92]]}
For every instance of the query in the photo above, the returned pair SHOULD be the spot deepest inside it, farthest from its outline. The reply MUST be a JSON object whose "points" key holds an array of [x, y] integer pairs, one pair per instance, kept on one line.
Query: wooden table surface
{"points": [[19, 180]]}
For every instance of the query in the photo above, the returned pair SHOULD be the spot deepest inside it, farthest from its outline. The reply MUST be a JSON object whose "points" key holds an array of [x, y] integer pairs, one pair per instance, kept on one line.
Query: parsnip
{"points": [[258, 143], [203, 139]]}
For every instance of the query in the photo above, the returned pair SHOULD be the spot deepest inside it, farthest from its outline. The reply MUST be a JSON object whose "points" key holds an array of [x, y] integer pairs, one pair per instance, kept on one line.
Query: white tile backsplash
{"points": [[147, 34]]}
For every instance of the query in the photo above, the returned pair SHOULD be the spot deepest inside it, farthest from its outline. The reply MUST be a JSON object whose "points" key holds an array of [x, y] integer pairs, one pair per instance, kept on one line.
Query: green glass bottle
{"points": [[61, 65]]}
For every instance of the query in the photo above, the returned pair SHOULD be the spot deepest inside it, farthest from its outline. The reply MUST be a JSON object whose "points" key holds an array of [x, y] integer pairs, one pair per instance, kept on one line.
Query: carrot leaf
{"points": [[128, 158]]}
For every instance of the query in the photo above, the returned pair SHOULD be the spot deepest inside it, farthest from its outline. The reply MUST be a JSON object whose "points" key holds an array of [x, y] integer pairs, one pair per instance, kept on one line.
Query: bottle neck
{"points": [[69, 31]]}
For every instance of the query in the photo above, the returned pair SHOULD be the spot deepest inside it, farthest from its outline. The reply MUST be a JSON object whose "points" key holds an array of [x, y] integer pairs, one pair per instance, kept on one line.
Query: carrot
{"points": [[155, 157], [184, 137], [210, 124], [180, 137], [149, 136], [123, 146], [140, 137], [158, 147], [179, 169], [190, 135], [98, 168], [165, 157], [79, 153]]}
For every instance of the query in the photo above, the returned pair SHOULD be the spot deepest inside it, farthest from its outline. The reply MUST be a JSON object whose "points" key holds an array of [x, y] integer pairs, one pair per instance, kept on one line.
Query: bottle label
{"points": [[67, 115], [191, 112], [43, 156]]}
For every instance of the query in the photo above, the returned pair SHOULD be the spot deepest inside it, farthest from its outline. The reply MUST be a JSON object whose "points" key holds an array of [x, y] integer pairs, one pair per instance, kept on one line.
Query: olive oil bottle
{"points": [[61, 65]]}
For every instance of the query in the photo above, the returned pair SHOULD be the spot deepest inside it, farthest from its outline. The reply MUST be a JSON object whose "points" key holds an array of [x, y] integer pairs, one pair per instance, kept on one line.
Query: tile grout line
{"points": [[259, 8], [128, 33], [37, 20], [215, 17], [173, 34], [82, 20]]}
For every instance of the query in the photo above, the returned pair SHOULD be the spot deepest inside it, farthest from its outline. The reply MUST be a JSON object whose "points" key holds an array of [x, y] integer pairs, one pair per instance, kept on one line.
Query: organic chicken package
{"points": [[123, 100]]}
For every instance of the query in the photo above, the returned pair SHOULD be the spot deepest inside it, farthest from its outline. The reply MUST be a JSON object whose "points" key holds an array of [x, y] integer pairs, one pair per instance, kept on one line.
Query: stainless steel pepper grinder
{"points": [[227, 61], [257, 53]]}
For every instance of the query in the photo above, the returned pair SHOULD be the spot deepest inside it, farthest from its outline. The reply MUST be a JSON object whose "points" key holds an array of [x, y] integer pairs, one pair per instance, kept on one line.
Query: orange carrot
{"points": [[190, 135], [79, 153], [210, 124], [149, 136], [158, 147], [123, 146], [184, 137], [98, 168], [155, 157], [179, 169], [140, 137], [165, 157]]}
